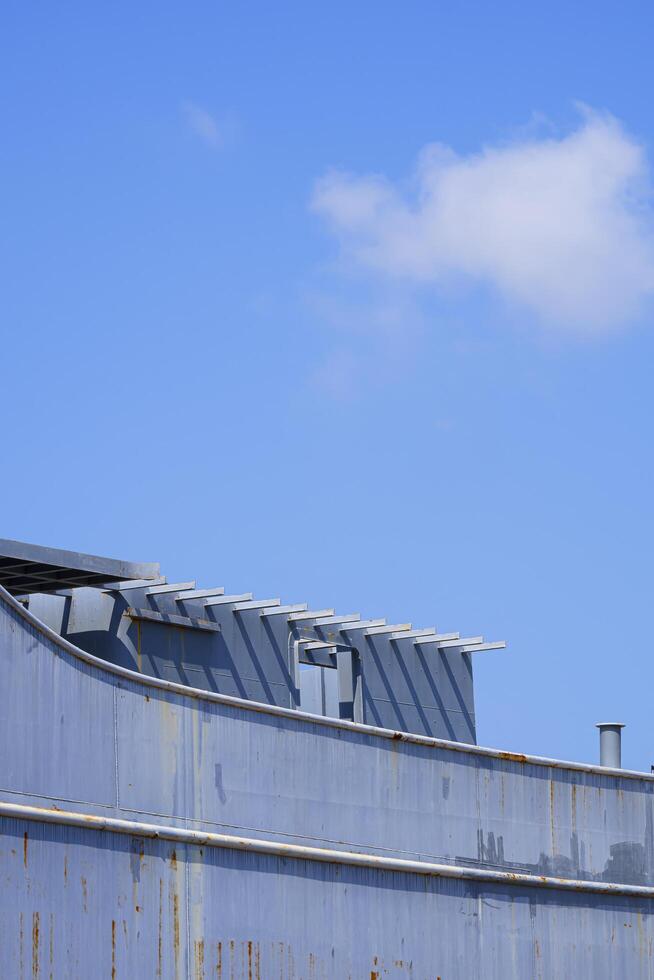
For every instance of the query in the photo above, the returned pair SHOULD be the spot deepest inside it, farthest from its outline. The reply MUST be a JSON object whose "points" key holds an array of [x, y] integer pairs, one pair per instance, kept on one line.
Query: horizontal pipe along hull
{"points": [[85, 903], [195, 834]]}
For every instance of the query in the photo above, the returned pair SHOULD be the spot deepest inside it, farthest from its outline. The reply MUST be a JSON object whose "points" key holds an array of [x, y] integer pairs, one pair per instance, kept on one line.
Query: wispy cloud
{"points": [[203, 124], [560, 227]]}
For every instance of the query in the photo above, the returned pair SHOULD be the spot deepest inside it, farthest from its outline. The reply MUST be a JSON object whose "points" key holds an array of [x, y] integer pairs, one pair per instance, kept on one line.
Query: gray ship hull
{"points": [[153, 830]]}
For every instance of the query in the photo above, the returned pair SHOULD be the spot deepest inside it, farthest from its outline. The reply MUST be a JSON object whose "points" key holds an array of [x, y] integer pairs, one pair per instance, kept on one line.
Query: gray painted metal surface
{"points": [[96, 739], [611, 743], [413, 683], [122, 908], [30, 568], [358, 859]]}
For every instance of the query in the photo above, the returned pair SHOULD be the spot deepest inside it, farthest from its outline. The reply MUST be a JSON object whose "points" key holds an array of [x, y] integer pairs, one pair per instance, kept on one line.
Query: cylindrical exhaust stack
{"points": [[611, 744]]}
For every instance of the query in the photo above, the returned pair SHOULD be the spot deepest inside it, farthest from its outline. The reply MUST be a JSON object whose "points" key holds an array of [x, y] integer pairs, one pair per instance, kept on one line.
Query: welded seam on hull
{"points": [[117, 778], [279, 834], [187, 889], [141, 680], [16, 811]]}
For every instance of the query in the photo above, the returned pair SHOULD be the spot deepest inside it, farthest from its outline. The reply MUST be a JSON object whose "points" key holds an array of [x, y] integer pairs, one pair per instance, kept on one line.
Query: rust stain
{"points": [[25, 838], [22, 937], [173, 860], [199, 958], [219, 960], [51, 945], [159, 949], [85, 894], [176, 930], [65, 869], [249, 959], [513, 756], [35, 944], [113, 949]]}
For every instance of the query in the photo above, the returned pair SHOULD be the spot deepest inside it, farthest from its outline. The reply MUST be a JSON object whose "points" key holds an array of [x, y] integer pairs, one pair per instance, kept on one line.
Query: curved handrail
{"points": [[302, 852]]}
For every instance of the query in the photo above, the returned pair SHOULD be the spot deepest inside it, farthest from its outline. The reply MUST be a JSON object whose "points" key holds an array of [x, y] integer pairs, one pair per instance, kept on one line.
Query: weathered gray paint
{"points": [[29, 568], [127, 908], [304, 852], [93, 738]]}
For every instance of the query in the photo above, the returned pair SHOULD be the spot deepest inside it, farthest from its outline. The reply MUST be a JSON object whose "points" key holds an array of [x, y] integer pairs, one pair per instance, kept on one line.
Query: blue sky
{"points": [[351, 304]]}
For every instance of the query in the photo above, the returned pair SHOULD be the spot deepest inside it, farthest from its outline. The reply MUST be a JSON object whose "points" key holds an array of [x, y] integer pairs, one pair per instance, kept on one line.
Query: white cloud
{"points": [[203, 124], [561, 227]]}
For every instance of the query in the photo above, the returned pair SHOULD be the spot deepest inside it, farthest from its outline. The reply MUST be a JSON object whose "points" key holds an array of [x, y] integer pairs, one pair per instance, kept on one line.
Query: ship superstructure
{"points": [[195, 783]]}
